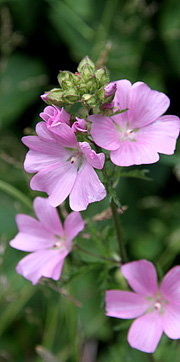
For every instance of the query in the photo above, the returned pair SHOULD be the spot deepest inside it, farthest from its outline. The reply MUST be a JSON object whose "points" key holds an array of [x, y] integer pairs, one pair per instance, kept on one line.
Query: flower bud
{"points": [[86, 61], [70, 96], [89, 99], [55, 97], [102, 76]]}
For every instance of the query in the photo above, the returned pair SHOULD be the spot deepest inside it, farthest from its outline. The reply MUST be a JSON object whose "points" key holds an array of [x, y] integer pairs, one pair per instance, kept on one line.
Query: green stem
{"points": [[94, 255], [116, 220]]}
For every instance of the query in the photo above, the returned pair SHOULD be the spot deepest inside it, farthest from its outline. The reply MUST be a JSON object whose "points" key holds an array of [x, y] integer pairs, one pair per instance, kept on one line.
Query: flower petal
{"points": [[146, 105], [32, 235], [141, 276], [87, 188], [104, 132], [65, 135], [95, 160], [121, 101], [161, 135], [171, 320], [73, 225], [56, 180], [145, 332], [133, 153], [47, 263], [48, 216], [170, 285], [123, 304]]}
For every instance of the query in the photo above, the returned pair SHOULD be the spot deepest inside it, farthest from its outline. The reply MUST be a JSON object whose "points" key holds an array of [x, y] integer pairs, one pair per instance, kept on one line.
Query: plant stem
{"points": [[116, 220], [94, 255]]}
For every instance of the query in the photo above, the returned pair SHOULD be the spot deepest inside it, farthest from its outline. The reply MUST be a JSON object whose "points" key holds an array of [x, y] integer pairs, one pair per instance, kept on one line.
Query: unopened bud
{"points": [[102, 76], [70, 96], [89, 99], [55, 97], [86, 61]]}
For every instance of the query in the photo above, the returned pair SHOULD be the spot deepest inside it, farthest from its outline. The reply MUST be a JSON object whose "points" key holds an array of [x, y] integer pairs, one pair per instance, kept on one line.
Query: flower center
{"points": [[158, 304]]}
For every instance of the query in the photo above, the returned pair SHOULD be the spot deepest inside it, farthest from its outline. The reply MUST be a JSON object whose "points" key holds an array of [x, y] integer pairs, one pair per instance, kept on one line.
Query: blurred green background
{"points": [[137, 40]]}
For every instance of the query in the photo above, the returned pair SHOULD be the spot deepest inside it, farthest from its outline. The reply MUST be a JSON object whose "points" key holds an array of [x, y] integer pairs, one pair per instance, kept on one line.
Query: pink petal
{"points": [[36, 161], [56, 180], [170, 285], [121, 101], [43, 132], [104, 132], [133, 153], [146, 105], [73, 225], [47, 263], [123, 304], [171, 320], [48, 216], [87, 188], [32, 235], [145, 332], [141, 276], [80, 125], [95, 160], [65, 135], [161, 135]]}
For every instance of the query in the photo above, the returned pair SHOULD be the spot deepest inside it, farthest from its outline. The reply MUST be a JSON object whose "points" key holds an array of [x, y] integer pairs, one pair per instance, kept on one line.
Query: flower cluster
{"points": [[128, 121]]}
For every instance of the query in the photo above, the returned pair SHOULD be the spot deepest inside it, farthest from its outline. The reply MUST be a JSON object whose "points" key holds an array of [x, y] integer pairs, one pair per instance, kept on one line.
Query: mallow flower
{"points": [[157, 309], [54, 115], [137, 135], [63, 166], [46, 240]]}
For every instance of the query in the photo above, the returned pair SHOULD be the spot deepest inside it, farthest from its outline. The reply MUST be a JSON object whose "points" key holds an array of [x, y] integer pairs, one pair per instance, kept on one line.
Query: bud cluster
{"points": [[86, 86]]}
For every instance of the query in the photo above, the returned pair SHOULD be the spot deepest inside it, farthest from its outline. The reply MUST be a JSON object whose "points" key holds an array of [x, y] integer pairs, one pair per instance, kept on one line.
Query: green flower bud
{"points": [[102, 76], [101, 95], [89, 99], [55, 97], [86, 61], [70, 96], [68, 80]]}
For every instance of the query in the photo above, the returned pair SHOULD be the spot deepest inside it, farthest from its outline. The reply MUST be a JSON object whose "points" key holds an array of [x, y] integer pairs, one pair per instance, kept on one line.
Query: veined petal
{"points": [[48, 216], [32, 235], [36, 161], [121, 101], [104, 132], [146, 105], [73, 225], [56, 180], [171, 320], [124, 304], [161, 135], [87, 188], [145, 332], [170, 285], [65, 134], [141, 276], [133, 153], [43, 132], [95, 160], [46, 263]]}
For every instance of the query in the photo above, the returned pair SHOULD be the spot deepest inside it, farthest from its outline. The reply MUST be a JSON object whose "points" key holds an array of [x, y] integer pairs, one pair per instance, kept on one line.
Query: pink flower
{"points": [[110, 89], [54, 115], [80, 125], [46, 239], [136, 136], [64, 166], [158, 310]]}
